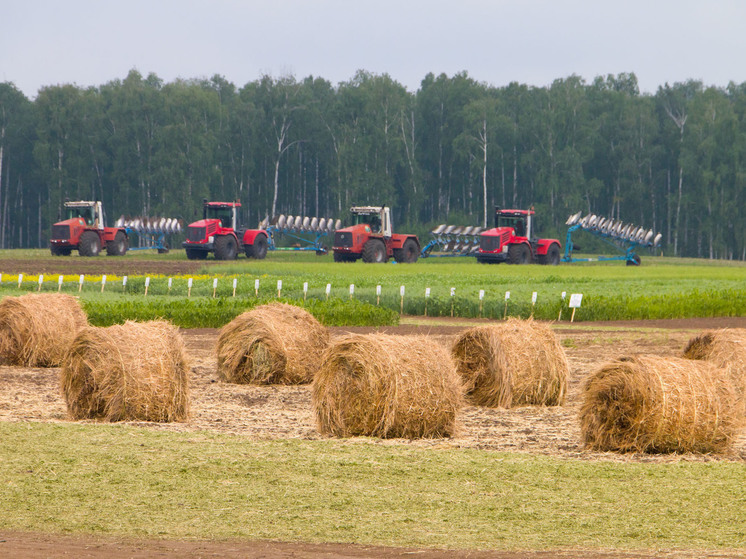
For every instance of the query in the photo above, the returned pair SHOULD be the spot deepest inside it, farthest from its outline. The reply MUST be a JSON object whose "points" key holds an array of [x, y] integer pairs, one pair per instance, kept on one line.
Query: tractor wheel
{"points": [[519, 254], [408, 253], [259, 249], [60, 251], [194, 254], [226, 247], [119, 246], [374, 251], [552, 257], [89, 244], [635, 261]]}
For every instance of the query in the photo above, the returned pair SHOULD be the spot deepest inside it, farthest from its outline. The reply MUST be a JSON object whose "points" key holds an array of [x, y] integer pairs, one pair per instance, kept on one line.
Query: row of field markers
{"points": [[575, 298]]}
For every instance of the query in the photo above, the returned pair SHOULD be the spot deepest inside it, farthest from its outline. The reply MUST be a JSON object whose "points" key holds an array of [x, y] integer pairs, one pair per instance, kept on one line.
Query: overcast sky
{"points": [[91, 42]]}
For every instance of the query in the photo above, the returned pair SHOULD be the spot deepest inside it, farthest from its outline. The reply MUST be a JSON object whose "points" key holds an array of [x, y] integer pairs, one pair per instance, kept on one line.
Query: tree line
{"points": [[450, 152]]}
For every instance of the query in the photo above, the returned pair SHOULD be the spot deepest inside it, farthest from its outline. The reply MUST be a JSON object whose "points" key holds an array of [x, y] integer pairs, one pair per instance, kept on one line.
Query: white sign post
{"points": [[147, 285], [124, 283], [559, 317], [80, 282], [328, 290], [507, 298], [59, 283], [481, 301], [352, 290], [427, 296], [256, 287], [214, 287], [41, 280], [189, 287], [305, 290], [453, 294], [20, 279], [279, 288], [170, 283], [378, 295], [575, 300], [534, 297], [103, 282], [401, 305]]}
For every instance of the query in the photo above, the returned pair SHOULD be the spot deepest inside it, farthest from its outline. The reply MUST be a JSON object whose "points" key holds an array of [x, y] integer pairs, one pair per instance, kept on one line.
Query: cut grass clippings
{"points": [[136, 482]]}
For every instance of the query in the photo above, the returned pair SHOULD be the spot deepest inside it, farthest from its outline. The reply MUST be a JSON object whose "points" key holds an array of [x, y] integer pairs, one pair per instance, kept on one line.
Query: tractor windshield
{"points": [[222, 213], [86, 213], [514, 222], [374, 220]]}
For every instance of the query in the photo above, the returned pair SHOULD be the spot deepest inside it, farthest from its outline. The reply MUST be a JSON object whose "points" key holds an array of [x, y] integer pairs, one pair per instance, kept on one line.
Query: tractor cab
{"points": [[376, 218], [90, 213], [226, 213], [518, 220]]}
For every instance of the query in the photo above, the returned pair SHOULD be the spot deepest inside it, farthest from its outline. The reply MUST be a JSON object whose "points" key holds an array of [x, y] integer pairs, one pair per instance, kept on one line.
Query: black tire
{"points": [[519, 254], [552, 257], [259, 249], [61, 251], [89, 244], [374, 251], [119, 246], [635, 261], [226, 247], [409, 252], [195, 254]]}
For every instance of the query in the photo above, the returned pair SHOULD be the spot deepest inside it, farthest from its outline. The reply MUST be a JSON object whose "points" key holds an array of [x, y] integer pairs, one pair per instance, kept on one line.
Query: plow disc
{"points": [[151, 231], [453, 240], [306, 232]]}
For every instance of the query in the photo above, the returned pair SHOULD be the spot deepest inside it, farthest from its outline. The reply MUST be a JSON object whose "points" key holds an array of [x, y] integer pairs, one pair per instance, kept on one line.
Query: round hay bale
{"points": [[136, 371], [36, 329], [657, 404], [514, 363], [271, 344], [725, 348], [386, 386]]}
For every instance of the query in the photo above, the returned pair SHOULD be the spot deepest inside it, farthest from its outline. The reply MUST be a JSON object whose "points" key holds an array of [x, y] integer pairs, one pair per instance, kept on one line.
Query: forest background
{"points": [[674, 161]]}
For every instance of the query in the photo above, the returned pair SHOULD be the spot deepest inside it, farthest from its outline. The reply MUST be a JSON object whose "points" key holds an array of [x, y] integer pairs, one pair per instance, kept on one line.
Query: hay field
{"points": [[285, 412]]}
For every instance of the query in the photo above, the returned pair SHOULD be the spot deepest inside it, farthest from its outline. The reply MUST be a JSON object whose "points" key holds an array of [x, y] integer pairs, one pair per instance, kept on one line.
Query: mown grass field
{"points": [[67, 478]]}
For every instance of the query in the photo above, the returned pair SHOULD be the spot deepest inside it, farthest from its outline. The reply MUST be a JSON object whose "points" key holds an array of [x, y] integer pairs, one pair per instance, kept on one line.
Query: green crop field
{"points": [[660, 288]]}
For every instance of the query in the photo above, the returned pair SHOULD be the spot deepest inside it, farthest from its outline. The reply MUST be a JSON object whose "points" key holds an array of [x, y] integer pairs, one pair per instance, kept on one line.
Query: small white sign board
{"points": [[575, 300]]}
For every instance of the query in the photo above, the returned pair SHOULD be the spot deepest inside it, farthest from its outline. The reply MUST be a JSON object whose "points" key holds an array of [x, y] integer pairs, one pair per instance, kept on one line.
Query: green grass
{"points": [[126, 481], [661, 288]]}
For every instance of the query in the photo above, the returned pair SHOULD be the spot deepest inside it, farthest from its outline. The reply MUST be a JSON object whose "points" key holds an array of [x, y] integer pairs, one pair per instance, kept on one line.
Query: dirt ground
{"points": [[280, 412]]}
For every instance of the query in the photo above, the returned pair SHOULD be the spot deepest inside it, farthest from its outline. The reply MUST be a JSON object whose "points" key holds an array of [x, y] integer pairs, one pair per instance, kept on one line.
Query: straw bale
{"points": [[136, 371], [387, 386], [725, 348], [271, 344], [36, 330], [657, 404], [513, 363]]}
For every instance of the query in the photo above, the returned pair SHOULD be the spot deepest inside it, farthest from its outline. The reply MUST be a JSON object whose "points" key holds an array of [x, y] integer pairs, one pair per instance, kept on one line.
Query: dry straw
{"points": [[36, 329], [387, 386], [271, 344], [514, 363], [648, 403], [136, 371], [725, 348]]}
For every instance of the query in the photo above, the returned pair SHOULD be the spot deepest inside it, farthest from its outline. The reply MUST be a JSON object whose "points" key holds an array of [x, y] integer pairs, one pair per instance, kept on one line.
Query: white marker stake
{"points": [[534, 297], [328, 290], [189, 287], [41, 280], [256, 287], [214, 287], [279, 288], [507, 298], [305, 290], [170, 282], [559, 317], [20, 279], [575, 300], [352, 289], [481, 301], [124, 283], [80, 282], [427, 296], [59, 283], [235, 284], [378, 294], [453, 294], [401, 294], [147, 284], [103, 282]]}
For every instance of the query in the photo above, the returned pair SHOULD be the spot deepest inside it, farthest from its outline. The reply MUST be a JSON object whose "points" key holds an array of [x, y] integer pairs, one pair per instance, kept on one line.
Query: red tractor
{"points": [[512, 241], [83, 230], [219, 232], [371, 238]]}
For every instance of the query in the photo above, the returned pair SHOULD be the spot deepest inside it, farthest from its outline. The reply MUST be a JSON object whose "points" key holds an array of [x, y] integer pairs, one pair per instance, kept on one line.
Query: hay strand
{"points": [[387, 386], [36, 330], [659, 404], [136, 371], [514, 363], [271, 344]]}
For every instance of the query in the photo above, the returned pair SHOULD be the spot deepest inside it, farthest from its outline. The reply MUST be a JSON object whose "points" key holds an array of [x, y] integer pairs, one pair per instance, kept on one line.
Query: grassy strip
{"points": [[120, 480], [215, 313]]}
